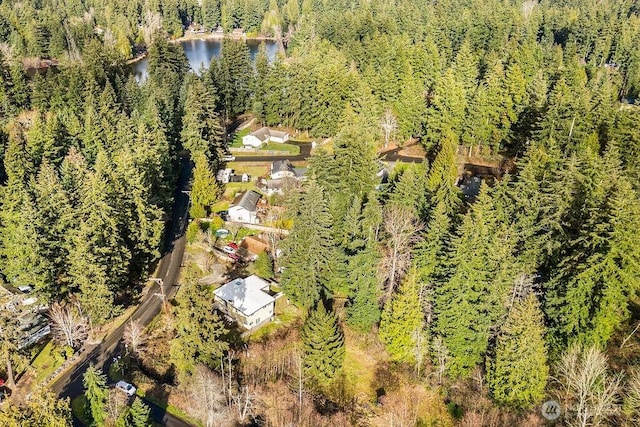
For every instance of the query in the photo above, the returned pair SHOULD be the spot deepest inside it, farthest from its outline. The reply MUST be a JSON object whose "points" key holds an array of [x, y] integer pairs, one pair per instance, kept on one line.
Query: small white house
{"points": [[264, 135], [246, 300], [282, 169], [224, 175], [244, 208]]}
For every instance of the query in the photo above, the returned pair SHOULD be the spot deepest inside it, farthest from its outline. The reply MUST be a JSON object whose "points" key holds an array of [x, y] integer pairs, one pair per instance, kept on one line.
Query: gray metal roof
{"points": [[247, 200], [281, 166]]}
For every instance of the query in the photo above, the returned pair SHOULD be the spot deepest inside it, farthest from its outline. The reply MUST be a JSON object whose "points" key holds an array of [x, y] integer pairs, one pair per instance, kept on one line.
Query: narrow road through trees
{"points": [[69, 383]]}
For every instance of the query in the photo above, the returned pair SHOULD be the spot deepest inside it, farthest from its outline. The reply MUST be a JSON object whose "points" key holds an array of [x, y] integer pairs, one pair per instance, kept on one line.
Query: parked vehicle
{"points": [[231, 248], [126, 387], [228, 158]]}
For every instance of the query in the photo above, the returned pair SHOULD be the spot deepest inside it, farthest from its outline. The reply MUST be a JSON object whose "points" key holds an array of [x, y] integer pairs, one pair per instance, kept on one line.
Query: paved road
{"points": [[69, 384]]}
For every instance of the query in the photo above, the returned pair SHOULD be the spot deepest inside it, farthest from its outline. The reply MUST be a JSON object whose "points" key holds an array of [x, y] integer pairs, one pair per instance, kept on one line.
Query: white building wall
{"points": [[262, 315], [279, 139], [283, 174], [240, 214], [251, 141]]}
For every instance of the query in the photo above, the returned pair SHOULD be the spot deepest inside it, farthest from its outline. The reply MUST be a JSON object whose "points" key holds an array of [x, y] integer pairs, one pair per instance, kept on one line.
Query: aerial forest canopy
{"points": [[544, 259]]}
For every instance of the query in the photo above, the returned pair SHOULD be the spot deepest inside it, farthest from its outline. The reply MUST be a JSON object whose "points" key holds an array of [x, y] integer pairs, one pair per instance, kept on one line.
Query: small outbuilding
{"points": [[247, 301]]}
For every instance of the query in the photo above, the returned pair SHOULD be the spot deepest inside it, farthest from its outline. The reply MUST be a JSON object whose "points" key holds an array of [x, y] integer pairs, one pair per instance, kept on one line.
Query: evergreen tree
{"points": [[264, 265], [198, 332], [204, 190], [95, 391], [402, 321], [310, 255], [138, 414], [201, 127], [323, 345], [364, 311], [518, 373], [473, 299]]}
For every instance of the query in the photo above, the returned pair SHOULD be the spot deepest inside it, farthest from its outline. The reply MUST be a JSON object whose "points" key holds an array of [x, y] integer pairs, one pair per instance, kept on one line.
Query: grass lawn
{"points": [[233, 188], [286, 314], [252, 168], [361, 359], [173, 410], [47, 361], [236, 141], [220, 206], [294, 150], [78, 405]]}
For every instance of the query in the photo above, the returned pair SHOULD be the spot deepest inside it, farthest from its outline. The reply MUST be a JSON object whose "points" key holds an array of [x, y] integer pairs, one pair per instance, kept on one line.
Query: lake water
{"points": [[200, 52]]}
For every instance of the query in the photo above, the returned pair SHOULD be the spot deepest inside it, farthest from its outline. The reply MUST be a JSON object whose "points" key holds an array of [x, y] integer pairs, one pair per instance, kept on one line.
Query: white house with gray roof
{"points": [[246, 300], [244, 208], [258, 138]]}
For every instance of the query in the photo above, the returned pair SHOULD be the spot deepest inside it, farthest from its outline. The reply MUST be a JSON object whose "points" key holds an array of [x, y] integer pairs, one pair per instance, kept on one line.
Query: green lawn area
{"points": [[77, 407], [47, 361], [286, 314], [252, 168], [175, 411], [236, 141], [294, 150]]}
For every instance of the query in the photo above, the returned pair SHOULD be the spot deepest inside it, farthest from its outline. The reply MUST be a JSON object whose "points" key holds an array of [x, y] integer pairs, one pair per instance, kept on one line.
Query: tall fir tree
{"points": [[95, 391], [517, 374], [473, 298], [310, 253], [198, 332], [364, 310], [138, 414], [402, 321], [323, 345]]}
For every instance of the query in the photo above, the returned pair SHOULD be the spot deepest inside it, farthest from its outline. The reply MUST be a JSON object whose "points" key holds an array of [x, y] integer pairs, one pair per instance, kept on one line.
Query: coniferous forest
{"points": [[414, 303]]}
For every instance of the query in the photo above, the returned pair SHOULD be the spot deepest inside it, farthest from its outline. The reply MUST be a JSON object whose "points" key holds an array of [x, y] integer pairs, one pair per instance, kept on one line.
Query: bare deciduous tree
{"points": [[389, 125], [244, 401], [135, 337], [207, 397], [402, 228], [590, 391], [116, 403], [441, 357], [152, 24], [68, 326], [632, 397]]}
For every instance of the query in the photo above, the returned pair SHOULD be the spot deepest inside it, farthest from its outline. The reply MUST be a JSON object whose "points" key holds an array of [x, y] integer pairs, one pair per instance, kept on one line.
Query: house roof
{"points": [[247, 200], [262, 134], [281, 166], [278, 133], [246, 295]]}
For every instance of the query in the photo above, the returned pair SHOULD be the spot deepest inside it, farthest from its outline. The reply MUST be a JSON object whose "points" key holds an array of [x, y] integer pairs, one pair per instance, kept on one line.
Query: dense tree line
{"points": [[544, 260], [89, 164]]}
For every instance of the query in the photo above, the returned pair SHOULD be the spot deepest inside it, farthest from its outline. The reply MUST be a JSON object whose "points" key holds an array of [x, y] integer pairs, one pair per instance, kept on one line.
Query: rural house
{"points": [[246, 300], [282, 169], [258, 138], [244, 207]]}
